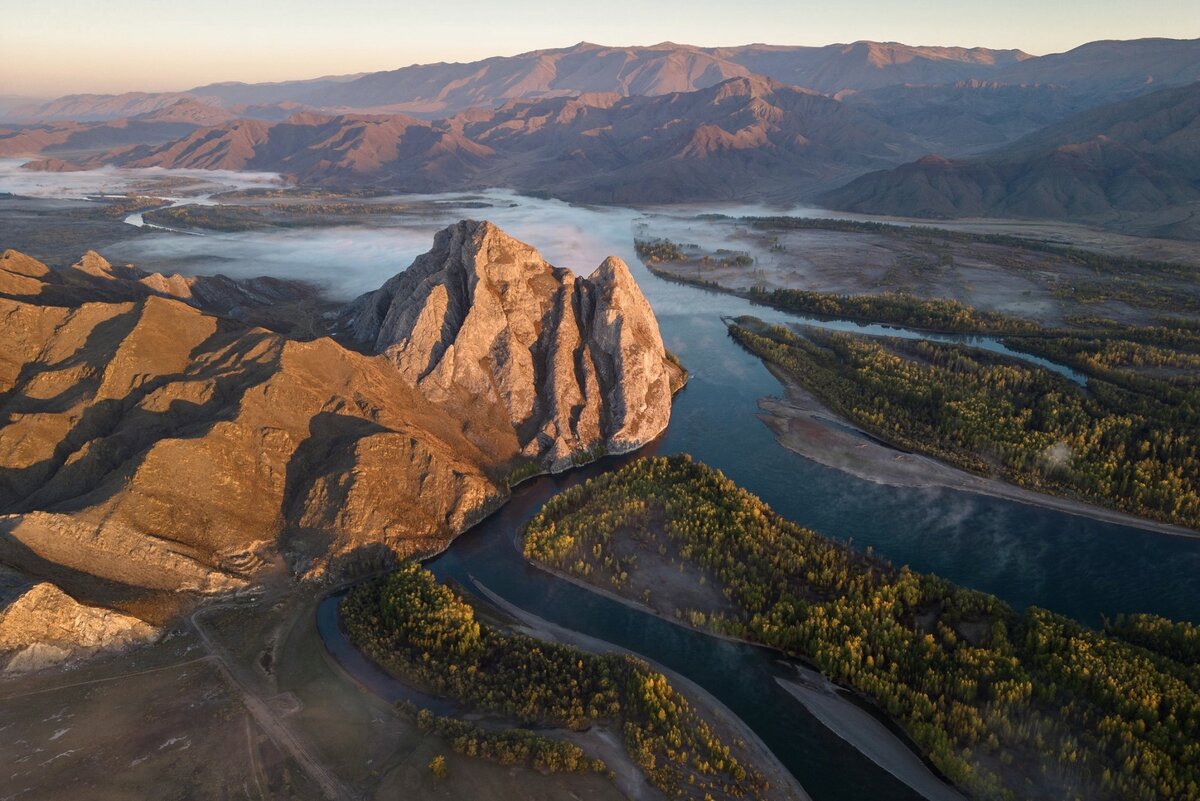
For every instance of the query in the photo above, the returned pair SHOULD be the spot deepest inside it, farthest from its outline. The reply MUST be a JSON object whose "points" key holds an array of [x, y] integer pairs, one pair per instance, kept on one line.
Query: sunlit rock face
{"points": [[41, 626], [150, 448], [153, 448], [482, 324]]}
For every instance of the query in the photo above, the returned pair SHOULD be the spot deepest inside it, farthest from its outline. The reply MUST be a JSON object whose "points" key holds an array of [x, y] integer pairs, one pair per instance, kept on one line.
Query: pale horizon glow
{"points": [[58, 47]]}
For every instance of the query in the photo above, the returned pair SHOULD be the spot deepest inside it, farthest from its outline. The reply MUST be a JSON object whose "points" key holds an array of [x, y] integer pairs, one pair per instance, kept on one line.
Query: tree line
{"points": [[506, 746], [1116, 443], [1006, 705], [421, 630], [896, 308]]}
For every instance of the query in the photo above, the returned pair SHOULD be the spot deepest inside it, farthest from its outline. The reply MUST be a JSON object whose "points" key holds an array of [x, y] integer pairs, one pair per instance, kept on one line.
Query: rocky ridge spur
{"points": [[154, 449]]}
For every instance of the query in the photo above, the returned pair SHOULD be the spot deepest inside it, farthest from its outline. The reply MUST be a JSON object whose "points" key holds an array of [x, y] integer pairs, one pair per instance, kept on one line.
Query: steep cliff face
{"points": [[149, 447], [153, 448], [485, 327]]}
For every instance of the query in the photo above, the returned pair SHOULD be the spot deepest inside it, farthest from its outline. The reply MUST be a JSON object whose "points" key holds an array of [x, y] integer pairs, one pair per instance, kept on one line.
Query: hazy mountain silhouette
{"points": [[745, 137], [437, 90], [1139, 159]]}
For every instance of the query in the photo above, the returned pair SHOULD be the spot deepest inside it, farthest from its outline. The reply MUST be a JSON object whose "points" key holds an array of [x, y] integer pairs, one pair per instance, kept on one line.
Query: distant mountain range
{"points": [[968, 116], [745, 137], [151, 127], [439, 90], [1102, 70], [670, 123], [1136, 162]]}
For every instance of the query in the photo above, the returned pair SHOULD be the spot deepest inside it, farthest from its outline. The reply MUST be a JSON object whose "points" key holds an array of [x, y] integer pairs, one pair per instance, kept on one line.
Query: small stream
{"points": [[138, 218], [990, 344], [369, 674]]}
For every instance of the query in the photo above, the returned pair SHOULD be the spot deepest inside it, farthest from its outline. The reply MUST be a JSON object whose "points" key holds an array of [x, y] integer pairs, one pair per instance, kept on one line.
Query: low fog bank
{"points": [[154, 181], [349, 260]]}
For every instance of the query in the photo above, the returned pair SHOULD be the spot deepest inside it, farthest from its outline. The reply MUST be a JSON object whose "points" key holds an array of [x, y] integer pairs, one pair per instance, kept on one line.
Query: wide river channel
{"points": [[1027, 555]]}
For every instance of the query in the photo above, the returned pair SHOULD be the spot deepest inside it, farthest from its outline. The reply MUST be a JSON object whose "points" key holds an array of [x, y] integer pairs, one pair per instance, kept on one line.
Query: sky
{"points": [[54, 47]]}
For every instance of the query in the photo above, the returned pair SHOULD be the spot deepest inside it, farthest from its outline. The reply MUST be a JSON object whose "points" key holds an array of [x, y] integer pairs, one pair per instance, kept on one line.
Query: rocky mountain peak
{"points": [[17, 263], [483, 323], [96, 266], [156, 445]]}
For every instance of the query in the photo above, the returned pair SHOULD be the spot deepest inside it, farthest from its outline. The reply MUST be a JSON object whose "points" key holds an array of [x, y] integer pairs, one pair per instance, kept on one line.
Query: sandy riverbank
{"points": [[725, 723], [822, 698], [804, 425], [597, 741], [859, 728]]}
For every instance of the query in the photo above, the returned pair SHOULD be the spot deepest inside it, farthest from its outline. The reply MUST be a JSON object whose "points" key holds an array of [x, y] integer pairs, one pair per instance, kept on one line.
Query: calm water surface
{"points": [[1026, 555]]}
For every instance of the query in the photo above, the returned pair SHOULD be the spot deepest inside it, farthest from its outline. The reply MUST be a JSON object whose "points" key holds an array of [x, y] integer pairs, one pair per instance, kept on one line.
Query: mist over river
{"points": [[1025, 554]]}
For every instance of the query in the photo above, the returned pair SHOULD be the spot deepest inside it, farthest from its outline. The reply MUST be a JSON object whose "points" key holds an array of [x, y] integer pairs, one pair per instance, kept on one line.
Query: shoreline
{"points": [[801, 665], [643, 608], [597, 741], [776, 774], [799, 419], [818, 695], [954, 478]]}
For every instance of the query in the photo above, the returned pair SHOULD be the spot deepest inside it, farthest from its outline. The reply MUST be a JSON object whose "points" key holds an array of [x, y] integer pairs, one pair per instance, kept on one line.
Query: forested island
{"points": [[1006, 704], [1128, 440], [422, 631]]}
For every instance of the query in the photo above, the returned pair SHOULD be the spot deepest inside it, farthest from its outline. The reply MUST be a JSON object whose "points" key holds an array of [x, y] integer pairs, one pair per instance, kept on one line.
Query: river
{"points": [[1027, 555]]}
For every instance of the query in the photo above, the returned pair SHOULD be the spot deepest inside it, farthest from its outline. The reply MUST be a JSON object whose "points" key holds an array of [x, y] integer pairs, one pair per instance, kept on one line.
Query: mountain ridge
{"points": [[1137, 157], [593, 123], [445, 88], [747, 136], [154, 450]]}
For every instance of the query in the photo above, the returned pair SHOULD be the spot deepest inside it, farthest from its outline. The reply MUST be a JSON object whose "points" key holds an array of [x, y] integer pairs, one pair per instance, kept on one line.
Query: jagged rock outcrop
{"points": [[483, 325], [272, 302], [40, 626], [151, 449]]}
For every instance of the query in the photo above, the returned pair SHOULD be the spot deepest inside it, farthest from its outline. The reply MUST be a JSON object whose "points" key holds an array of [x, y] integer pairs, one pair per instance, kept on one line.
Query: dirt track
{"points": [[275, 728]]}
